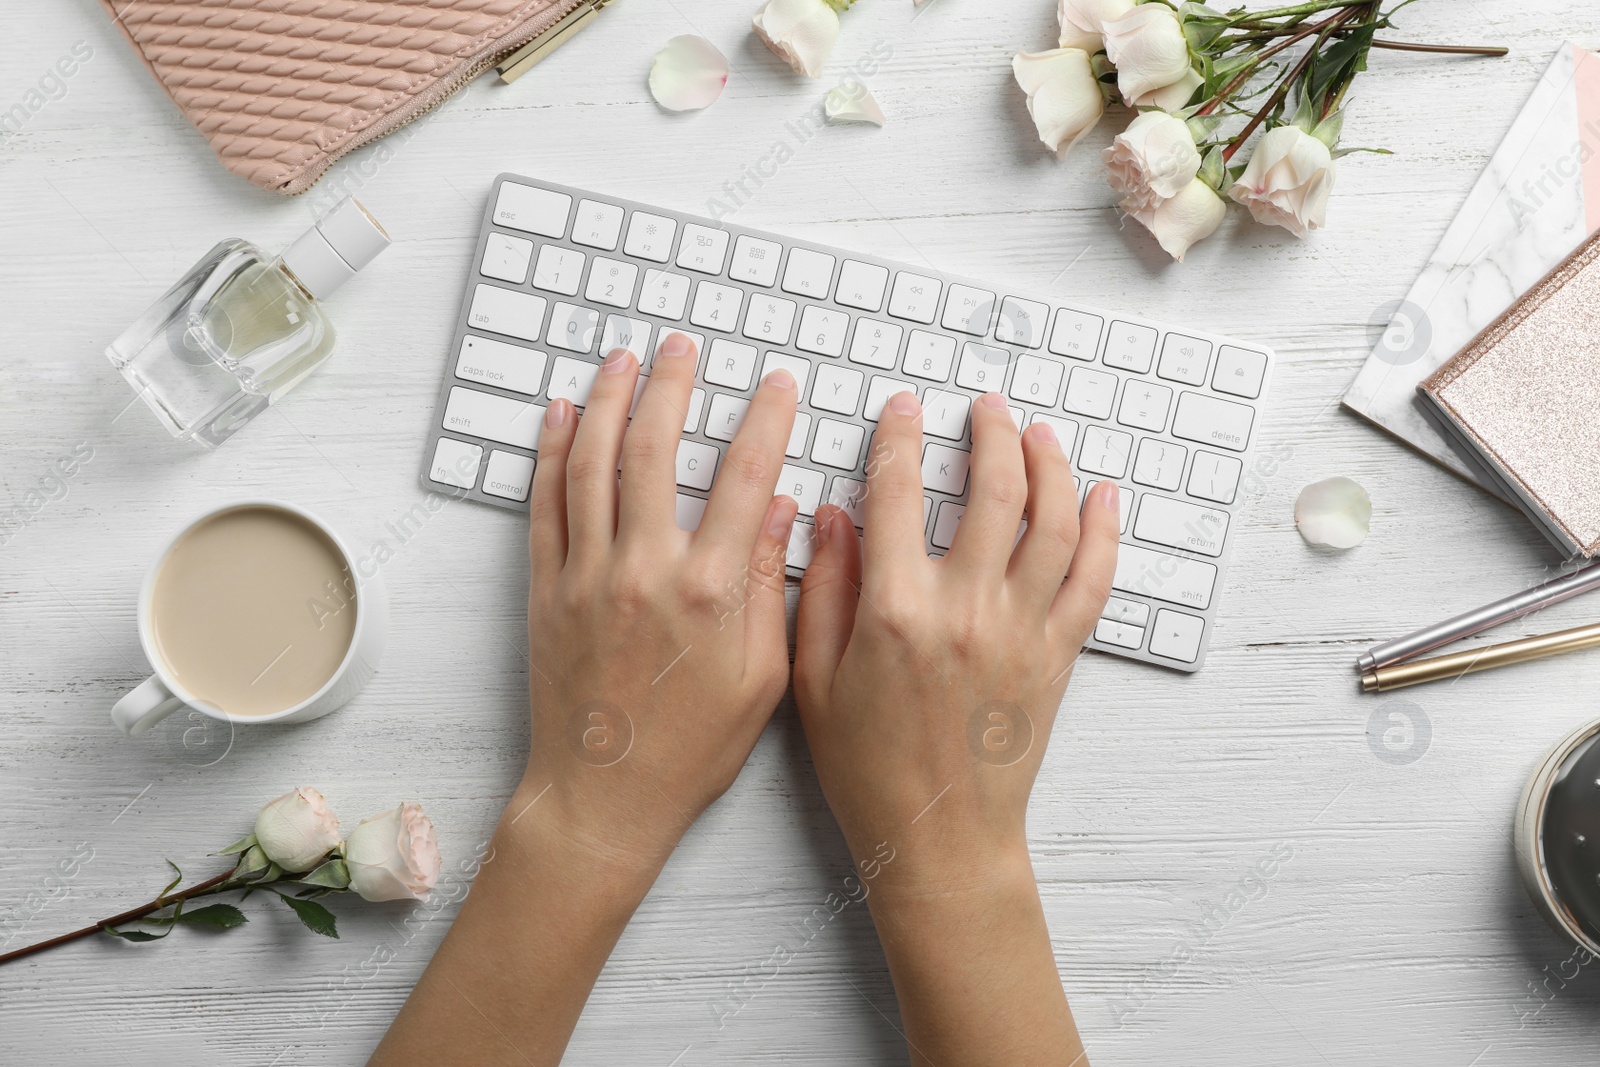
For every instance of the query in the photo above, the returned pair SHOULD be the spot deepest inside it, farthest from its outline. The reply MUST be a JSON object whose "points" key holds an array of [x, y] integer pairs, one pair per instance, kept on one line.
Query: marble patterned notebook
{"points": [[1535, 202]]}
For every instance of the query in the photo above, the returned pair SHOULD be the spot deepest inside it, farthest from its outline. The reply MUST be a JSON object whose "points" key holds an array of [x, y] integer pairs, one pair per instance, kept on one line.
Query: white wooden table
{"points": [[1393, 929]]}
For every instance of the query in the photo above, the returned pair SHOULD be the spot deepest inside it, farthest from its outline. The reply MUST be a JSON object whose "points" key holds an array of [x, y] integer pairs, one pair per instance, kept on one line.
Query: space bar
{"points": [[1164, 577]]}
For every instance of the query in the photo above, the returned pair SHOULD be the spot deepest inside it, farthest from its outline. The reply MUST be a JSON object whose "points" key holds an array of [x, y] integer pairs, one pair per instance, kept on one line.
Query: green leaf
{"points": [[1305, 116], [331, 875], [317, 918], [177, 877], [1343, 59], [1213, 169], [241, 845], [1340, 153], [134, 935], [222, 916], [252, 863]]}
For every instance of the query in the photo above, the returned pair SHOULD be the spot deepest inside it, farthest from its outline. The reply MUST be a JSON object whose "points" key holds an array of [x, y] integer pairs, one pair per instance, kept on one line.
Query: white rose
{"points": [[297, 829], [1083, 21], [1193, 215], [1063, 95], [1151, 55], [1152, 160], [799, 32], [394, 855], [1288, 181]]}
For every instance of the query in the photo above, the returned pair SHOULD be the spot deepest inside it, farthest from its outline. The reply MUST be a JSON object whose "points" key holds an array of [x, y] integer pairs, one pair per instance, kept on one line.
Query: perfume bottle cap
{"points": [[329, 254]]}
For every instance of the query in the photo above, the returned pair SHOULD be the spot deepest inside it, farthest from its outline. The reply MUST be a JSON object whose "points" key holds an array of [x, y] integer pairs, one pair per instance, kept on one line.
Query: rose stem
{"points": [[1265, 54], [117, 920], [1282, 91], [1450, 49]]}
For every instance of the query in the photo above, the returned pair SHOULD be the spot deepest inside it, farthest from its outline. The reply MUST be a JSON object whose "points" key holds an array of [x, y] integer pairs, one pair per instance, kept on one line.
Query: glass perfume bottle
{"points": [[241, 328]]}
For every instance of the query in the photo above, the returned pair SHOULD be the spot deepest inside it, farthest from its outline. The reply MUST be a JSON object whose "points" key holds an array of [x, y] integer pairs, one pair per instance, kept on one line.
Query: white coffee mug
{"points": [[160, 694]]}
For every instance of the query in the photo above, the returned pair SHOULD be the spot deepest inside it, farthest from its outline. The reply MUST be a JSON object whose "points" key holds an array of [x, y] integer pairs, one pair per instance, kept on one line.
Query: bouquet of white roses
{"points": [[1191, 72]]}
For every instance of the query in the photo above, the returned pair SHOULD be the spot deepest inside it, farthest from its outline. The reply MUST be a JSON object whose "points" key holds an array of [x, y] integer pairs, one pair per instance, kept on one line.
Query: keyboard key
{"points": [[802, 483], [879, 392], [1105, 451], [1130, 346], [496, 418], [944, 526], [1037, 380], [1124, 503], [861, 285], [802, 545], [875, 344], [1239, 371], [1076, 334], [1129, 611], [571, 379], [455, 463], [914, 297], [699, 340], [506, 257], [716, 307], [597, 225], [838, 389], [1109, 632], [755, 260], [1159, 464], [770, 319], [727, 413], [944, 414], [1214, 477], [944, 469], [650, 236], [1161, 576], [799, 434], [688, 512], [850, 496], [822, 331], [491, 362], [799, 368], [837, 444], [1144, 406], [623, 332], [697, 464], [808, 273], [731, 364], [983, 367], [1066, 430], [1212, 421], [506, 312], [1090, 392], [559, 270], [611, 282], [1179, 524], [1021, 322], [968, 310], [541, 211], [1176, 635], [509, 475], [929, 355], [573, 327], [664, 294], [1184, 359], [703, 249]]}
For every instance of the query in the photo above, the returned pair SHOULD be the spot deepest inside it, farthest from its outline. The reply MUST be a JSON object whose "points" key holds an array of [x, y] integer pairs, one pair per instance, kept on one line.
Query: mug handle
{"points": [[144, 707]]}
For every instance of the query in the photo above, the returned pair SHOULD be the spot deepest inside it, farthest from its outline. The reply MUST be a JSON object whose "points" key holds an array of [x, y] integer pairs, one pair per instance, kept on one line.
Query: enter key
{"points": [[1178, 524]]}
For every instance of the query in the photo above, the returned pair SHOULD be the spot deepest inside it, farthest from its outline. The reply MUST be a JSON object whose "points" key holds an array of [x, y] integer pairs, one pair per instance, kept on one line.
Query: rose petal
{"points": [[852, 101], [1063, 95], [688, 74], [1333, 513]]}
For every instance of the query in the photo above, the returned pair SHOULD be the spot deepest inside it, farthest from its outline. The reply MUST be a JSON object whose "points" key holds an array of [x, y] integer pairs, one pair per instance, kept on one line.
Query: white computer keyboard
{"points": [[562, 276]]}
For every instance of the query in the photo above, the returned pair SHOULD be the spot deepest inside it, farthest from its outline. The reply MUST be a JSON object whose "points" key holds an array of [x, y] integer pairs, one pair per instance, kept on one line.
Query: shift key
{"points": [[496, 418], [1165, 577]]}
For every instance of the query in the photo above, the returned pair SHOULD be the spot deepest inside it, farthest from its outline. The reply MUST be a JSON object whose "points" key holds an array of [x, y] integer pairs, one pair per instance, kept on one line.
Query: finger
{"points": [[650, 446], [829, 594], [1040, 561], [766, 637], [592, 466], [894, 515], [1083, 597], [547, 502], [749, 471], [999, 488]]}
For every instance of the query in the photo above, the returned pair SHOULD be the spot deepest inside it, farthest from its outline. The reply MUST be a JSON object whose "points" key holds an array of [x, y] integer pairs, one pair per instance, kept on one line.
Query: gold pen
{"points": [[529, 55], [1456, 664]]}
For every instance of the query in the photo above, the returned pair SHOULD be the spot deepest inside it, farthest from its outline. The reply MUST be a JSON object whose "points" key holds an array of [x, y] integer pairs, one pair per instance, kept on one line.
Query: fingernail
{"points": [[675, 344], [555, 416], [824, 525], [993, 400], [779, 379], [1043, 432], [617, 361], [781, 518], [905, 404], [1110, 496]]}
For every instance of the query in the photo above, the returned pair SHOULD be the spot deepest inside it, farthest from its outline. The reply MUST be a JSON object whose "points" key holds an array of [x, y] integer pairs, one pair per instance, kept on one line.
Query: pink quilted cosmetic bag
{"points": [[283, 88]]}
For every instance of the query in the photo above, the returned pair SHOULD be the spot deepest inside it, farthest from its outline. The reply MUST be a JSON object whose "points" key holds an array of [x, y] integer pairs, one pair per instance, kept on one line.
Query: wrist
{"points": [[933, 874]]}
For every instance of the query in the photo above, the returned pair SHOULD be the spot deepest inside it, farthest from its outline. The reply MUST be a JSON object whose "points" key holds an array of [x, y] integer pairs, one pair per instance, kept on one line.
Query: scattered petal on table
{"points": [[1334, 513], [688, 74], [852, 101]]}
